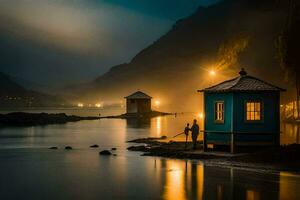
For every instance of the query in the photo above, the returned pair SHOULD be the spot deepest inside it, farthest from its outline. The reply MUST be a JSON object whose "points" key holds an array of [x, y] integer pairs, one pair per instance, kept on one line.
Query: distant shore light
{"points": [[98, 105], [80, 105]]}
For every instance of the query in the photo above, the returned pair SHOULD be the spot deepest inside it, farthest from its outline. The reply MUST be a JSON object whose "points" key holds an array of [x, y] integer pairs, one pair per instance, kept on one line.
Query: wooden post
{"points": [[232, 143]]}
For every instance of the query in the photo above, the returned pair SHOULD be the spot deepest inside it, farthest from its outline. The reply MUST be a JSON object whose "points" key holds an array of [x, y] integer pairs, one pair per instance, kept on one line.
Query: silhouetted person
{"points": [[195, 133], [186, 132]]}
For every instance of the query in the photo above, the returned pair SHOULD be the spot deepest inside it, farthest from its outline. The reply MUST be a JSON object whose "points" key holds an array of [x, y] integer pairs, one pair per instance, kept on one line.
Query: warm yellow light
{"points": [[157, 103], [98, 105], [122, 104], [200, 115], [212, 72], [80, 105]]}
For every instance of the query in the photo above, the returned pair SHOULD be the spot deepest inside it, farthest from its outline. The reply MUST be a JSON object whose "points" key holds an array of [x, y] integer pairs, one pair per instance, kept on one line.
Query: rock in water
{"points": [[113, 149], [94, 146], [137, 148], [163, 137], [105, 153], [68, 148], [53, 148]]}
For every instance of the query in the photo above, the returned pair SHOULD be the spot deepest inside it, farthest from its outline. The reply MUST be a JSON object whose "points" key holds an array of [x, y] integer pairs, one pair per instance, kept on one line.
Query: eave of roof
{"points": [[138, 95], [242, 83]]}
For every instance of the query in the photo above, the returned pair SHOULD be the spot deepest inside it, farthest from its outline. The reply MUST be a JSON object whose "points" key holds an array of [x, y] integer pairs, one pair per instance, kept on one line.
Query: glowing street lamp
{"points": [[212, 72]]}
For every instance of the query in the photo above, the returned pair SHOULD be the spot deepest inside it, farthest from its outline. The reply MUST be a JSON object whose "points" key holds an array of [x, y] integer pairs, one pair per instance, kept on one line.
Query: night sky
{"points": [[61, 42]]}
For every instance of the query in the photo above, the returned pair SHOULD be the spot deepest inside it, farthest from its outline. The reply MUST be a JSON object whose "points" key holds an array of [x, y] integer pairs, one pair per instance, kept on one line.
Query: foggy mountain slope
{"points": [[225, 36], [8, 86], [14, 95]]}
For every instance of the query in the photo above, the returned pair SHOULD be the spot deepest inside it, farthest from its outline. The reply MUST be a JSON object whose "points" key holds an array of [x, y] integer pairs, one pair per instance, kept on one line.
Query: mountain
{"points": [[14, 95], [30, 85], [224, 37], [9, 87]]}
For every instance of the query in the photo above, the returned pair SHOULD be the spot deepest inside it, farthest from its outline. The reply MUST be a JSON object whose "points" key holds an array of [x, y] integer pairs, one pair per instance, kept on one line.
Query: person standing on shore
{"points": [[186, 132], [195, 133]]}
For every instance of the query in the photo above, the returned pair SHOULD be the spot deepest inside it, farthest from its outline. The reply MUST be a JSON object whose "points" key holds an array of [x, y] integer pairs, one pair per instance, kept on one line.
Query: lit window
{"points": [[253, 111], [219, 112]]}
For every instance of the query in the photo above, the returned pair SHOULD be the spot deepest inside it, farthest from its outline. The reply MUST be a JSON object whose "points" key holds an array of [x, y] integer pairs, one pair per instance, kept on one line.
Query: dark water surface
{"points": [[29, 170]]}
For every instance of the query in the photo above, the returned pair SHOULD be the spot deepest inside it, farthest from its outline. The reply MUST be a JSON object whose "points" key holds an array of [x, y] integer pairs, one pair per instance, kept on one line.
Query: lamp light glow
{"points": [[200, 115], [212, 72], [157, 103]]}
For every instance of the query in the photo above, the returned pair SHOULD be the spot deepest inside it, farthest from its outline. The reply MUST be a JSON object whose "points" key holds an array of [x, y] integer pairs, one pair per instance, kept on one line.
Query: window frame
{"points": [[215, 112], [261, 111]]}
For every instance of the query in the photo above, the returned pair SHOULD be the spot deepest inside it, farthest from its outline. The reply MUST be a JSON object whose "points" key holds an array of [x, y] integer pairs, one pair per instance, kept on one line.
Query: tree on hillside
{"points": [[289, 48]]}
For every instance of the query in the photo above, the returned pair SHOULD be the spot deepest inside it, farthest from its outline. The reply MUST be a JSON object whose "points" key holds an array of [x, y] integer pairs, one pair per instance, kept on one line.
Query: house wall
{"points": [[210, 125], [138, 105], [270, 117], [235, 121], [144, 105], [131, 106]]}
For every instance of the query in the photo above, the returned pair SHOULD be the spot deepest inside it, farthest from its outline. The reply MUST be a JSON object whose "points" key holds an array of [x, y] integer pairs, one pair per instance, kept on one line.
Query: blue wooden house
{"points": [[242, 111]]}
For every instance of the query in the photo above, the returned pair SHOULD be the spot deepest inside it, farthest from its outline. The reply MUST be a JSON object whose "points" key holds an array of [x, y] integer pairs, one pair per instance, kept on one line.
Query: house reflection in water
{"points": [[143, 122], [221, 183], [191, 180]]}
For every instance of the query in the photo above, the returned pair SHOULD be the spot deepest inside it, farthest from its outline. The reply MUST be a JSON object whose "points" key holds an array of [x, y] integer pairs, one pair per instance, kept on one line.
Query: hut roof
{"points": [[242, 83], [138, 95]]}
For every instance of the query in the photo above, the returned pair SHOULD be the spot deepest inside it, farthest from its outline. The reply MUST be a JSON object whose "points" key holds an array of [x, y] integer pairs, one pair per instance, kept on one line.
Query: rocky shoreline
{"points": [[34, 119], [282, 158]]}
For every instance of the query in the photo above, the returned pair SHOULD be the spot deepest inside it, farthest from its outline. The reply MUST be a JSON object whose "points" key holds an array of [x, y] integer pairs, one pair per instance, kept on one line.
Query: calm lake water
{"points": [[29, 170]]}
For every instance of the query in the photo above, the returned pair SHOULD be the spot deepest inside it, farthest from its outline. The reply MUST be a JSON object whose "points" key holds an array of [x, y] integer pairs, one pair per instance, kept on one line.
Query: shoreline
{"points": [[282, 158], [137, 115], [22, 119]]}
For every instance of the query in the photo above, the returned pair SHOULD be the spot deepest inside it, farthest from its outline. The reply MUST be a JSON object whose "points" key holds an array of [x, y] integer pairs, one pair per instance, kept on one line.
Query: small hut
{"points": [[138, 102], [242, 111]]}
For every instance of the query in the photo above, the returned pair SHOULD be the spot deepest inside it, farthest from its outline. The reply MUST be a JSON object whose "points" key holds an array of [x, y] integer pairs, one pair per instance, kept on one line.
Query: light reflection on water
{"points": [[290, 133], [83, 174], [29, 170]]}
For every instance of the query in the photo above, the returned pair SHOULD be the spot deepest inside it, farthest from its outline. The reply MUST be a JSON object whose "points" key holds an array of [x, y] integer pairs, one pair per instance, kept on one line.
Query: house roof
{"points": [[138, 95], [242, 83]]}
